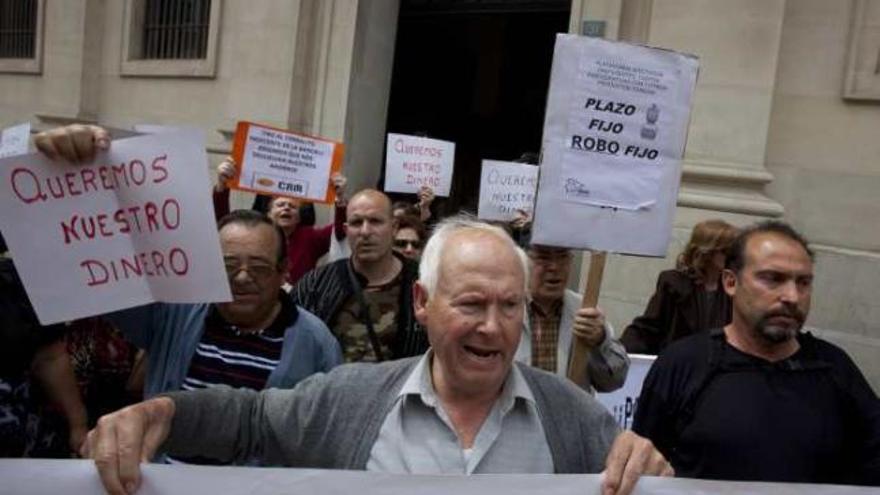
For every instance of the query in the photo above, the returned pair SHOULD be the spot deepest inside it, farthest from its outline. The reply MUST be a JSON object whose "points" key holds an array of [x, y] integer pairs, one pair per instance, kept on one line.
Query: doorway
{"points": [[475, 73]]}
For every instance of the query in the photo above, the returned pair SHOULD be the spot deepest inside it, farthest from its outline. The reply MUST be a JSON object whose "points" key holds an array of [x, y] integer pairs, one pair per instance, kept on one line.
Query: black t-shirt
{"points": [[811, 418]]}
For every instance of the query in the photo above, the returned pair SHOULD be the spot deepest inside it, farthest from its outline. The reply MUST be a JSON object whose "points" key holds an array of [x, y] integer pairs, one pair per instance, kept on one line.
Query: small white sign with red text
{"points": [[412, 162], [506, 188], [134, 226]]}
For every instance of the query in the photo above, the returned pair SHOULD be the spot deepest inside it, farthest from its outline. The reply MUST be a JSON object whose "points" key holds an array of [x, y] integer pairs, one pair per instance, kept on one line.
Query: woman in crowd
{"points": [[689, 298], [306, 244], [410, 237]]}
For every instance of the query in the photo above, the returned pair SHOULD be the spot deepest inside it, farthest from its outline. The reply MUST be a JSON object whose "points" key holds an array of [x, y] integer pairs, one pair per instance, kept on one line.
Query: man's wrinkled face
{"points": [[284, 212], [475, 316], [250, 255], [550, 268], [772, 292], [369, 228]]}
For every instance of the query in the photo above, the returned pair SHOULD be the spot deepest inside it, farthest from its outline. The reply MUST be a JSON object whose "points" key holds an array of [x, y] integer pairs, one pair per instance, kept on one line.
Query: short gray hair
{"points": [[429, 267]]}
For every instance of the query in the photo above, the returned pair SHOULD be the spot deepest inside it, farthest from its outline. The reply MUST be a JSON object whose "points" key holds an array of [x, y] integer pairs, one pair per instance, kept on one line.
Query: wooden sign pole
{"points": [[580, 351]]}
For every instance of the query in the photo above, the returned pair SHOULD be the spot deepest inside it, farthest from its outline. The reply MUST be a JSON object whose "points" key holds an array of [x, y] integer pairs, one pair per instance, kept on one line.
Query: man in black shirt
{"points": [[758, 399]]}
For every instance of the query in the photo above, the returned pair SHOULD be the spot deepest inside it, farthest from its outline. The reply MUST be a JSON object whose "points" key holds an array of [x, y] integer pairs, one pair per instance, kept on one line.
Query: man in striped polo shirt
{"points": [[258, 340]]}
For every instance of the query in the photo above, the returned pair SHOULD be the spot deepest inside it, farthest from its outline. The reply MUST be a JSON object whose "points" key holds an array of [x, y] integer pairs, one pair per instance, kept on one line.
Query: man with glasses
{"points": [[258, 340], [554, 317]]}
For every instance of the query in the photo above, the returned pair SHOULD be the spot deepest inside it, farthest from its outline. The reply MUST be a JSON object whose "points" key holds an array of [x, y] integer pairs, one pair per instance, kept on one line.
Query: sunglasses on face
{"points": [[403, 243]]}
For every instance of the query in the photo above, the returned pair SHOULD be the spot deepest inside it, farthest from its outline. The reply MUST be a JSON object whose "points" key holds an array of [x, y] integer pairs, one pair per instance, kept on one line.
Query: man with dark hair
{"points": [[758, 399], [367, 300]]}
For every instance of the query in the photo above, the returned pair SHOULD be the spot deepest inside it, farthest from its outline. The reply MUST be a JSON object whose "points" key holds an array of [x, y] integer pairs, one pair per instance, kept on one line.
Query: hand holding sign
{"points": [[116, 231], [74, 143]]}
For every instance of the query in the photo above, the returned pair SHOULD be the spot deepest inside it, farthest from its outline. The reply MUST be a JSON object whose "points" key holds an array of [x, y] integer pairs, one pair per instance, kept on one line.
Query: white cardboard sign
{"points": [[505, 188], [614, 135], [14, 140], [134, 226], [412, 162], [79, 477], [622, 402]]}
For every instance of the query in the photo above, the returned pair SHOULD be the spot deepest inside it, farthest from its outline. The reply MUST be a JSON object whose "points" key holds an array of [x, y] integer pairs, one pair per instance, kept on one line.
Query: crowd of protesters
{"points": [[440, 346]]}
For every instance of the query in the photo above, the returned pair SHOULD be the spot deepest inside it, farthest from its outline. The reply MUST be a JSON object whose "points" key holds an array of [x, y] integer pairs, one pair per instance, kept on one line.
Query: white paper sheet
{"points": [[614, 135], [135, 226], [505, 188], [412, 162]]}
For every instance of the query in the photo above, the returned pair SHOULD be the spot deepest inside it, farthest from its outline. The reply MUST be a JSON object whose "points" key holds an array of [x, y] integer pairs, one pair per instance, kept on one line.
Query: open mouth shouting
{"points": [[482, 354]]}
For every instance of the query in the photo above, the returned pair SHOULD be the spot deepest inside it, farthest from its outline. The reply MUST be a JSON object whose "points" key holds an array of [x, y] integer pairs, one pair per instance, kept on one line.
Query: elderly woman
{"points": [[689, 298]]}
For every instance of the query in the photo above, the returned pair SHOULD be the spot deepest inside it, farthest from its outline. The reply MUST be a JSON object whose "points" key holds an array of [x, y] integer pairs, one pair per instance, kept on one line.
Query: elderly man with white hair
{"points": [[464, 407]]}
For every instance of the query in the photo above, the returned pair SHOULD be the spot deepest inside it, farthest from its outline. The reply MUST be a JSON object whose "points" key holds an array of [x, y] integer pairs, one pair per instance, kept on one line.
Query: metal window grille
{"points": [[176, 29], [18, 28]]}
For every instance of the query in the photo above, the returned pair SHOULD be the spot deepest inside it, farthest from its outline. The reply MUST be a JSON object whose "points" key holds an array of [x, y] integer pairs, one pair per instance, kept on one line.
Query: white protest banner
{"points": [[134, 226], [79, 477], [614, 135], [412, 162], [622, 402], [505, 188], [284, 163], [14, 140]]}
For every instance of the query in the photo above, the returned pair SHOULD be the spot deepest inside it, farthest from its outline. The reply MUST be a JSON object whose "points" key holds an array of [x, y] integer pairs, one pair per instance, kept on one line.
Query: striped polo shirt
{"points": [[227, 356]]}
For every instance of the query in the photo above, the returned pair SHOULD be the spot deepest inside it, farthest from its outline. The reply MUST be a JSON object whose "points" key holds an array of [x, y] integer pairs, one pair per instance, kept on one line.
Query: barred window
{"points": [[18, 29], [176, 29]]}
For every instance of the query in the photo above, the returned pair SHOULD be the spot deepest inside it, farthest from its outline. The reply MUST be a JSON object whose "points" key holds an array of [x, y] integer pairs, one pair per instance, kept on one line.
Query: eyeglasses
{"points": [[403, 243], [258, 270]]}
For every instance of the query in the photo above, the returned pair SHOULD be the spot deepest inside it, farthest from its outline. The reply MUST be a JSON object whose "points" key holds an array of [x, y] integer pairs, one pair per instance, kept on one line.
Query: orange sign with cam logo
{"points": [[279, 162]]}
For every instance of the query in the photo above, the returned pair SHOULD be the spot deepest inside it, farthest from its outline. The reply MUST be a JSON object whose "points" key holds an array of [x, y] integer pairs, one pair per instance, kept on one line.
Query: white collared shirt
{"points": [[417, 436]]}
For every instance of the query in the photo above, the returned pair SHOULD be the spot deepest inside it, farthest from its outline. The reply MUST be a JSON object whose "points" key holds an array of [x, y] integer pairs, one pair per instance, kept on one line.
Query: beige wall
{"points": [[825, 154]]}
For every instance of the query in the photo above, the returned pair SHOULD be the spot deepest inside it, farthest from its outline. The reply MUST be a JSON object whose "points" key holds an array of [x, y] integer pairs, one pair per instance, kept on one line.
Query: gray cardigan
{"points": [[332, 420]]}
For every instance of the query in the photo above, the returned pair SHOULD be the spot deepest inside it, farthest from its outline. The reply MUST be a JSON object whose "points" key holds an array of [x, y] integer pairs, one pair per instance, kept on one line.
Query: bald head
{"points": [[370, 228], [373, 197]]}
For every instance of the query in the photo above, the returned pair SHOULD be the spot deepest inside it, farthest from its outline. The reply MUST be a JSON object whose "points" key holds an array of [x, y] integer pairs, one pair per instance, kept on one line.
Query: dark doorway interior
{"points": [[475, 73]]}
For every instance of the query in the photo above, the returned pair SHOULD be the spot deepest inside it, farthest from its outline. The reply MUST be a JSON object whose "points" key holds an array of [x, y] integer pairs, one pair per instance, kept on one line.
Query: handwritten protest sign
{"points": [[14, 140], [412, 162], [622, 402], [79, 477], [614, 135], [283, 163], [505, 188], [133, 227]]}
